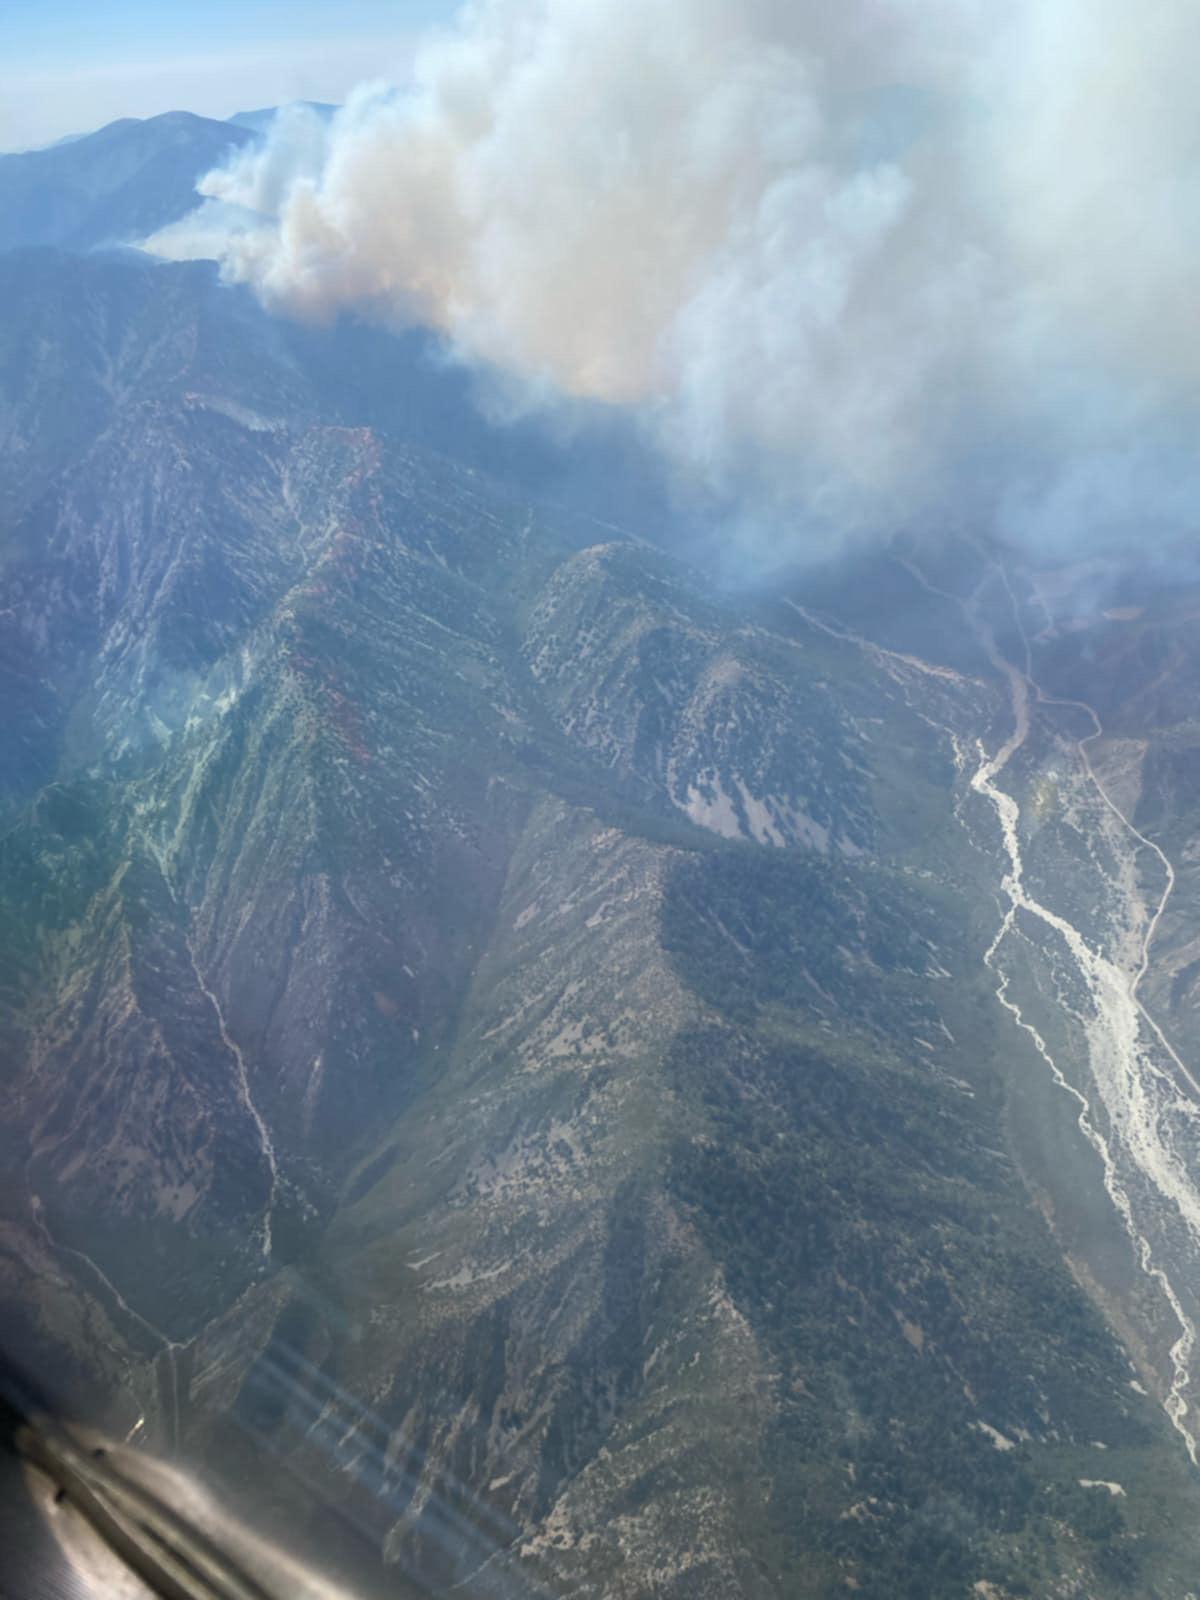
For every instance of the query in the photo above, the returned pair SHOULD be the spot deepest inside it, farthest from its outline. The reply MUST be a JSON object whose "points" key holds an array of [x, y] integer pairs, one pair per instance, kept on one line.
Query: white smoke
{"points": [[873, 257]]}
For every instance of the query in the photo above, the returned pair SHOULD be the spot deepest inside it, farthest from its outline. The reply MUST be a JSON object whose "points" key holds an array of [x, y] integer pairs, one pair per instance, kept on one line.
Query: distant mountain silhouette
{"points": [[112, 186], [259, 121]]}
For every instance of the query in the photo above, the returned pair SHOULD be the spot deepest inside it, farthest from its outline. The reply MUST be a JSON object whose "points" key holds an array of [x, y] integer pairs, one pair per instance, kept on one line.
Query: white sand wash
{"points": [[1128, 1122], [245, 1095], [1131, 1086], [265, 1141]]}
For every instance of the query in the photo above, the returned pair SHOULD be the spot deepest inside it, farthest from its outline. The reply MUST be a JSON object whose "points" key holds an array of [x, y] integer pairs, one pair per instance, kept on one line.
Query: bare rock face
{"points": [[501, 1039]]}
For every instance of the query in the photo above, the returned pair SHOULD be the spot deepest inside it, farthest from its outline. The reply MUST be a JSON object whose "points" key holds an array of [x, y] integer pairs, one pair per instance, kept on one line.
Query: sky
{"points": [[68, 66]]}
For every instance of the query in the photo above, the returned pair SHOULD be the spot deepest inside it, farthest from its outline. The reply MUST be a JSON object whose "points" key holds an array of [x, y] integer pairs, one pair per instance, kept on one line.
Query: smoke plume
{"points": [[866, 261]]}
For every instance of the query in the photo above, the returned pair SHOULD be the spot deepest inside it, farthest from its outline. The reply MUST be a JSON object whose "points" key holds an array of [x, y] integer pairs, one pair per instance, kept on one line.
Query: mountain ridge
{"points": [[504, 1026]]}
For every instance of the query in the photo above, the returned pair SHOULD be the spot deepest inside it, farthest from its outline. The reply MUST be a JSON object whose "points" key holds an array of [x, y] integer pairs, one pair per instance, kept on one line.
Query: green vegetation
{"points": [[933, 1355]]}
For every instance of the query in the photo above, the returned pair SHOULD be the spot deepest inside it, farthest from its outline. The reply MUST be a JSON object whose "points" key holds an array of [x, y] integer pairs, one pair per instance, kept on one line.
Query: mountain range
{"points": [[536, 1069]]}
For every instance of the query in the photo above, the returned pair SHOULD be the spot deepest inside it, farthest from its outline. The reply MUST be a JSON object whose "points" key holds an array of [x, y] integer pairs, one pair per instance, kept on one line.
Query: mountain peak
{"points": [[259, 121]]}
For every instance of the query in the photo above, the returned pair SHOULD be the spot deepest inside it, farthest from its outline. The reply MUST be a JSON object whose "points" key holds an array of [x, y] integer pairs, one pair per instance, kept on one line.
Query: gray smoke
{"points": [[862, 262]]}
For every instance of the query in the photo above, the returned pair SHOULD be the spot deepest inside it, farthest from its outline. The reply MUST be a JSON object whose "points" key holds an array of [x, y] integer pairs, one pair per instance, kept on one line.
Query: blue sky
{"points": [[67, 65]]}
